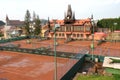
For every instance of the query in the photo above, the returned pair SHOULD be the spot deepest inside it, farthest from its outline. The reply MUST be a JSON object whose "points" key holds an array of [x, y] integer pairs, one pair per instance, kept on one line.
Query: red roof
{"points": [[100, 34], [16, 22], [77, 22], [118, 31]]}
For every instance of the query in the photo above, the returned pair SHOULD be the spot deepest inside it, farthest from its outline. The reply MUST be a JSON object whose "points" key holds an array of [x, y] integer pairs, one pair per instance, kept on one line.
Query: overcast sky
{"points": [[16, 9]]}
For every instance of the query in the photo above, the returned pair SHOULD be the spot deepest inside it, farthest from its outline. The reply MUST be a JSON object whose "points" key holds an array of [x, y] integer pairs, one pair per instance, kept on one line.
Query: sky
{"points": [[54, 9]]}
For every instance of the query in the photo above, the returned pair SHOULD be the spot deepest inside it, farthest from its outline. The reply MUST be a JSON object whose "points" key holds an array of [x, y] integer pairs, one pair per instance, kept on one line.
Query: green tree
{"points": [[37, 26], [27, 22], [34, 16], [109, 23], [1, 34]]}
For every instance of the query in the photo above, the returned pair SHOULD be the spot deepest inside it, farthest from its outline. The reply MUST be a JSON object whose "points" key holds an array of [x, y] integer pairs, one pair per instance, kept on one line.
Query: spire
{"points": [[69, 11], [7, 19], [73, 15], [70, 16], [92, 16], [48, 24]]}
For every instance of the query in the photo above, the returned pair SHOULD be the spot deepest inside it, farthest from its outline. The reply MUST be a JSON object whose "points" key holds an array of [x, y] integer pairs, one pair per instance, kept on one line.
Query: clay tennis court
{"points": [[74, 46], [23, 66], [105, 49]]}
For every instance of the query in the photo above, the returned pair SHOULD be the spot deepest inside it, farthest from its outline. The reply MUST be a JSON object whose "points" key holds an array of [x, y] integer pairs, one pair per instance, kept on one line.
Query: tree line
{"points": [[32, 24], [111, 23]]}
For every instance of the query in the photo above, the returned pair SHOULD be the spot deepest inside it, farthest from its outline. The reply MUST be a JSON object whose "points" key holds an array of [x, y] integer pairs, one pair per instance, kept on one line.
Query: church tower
{"points": [[7, 20], [69, 12], [70, 16]]}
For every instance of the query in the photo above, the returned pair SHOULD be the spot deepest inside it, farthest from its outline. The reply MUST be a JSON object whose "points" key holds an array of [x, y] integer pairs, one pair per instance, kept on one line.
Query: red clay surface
{"points": [[23, 66], [108, 49], [105, 49]]}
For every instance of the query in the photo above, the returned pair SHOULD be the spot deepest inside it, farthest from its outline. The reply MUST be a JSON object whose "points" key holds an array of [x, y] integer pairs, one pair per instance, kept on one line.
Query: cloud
{"points": [[111, 2], [117, 1]]}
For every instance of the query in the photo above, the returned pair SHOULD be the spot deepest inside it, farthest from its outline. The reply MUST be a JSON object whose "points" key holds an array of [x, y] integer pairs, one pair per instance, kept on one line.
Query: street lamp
{"points": [[32, 35], [92, 45], [115, 25], [55, 59]]}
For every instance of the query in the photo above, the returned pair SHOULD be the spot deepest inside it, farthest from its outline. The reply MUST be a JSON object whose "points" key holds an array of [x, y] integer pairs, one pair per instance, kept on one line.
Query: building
{"points": [[114, 36], [70, 27], [16, 23], [13, 28]]}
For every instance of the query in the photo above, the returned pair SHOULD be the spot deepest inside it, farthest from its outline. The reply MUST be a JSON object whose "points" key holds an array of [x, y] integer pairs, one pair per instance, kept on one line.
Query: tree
{"points": [[27, 22], [34, 16], [37, 26], [109, 23], [1, 34]]}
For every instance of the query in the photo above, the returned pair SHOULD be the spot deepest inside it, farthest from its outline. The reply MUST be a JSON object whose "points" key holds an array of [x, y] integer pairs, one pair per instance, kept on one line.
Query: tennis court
{"points": [[23, 66]]}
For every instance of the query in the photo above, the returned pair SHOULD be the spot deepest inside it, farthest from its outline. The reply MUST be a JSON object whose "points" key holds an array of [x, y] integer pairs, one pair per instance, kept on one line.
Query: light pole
{"points": [[32, 36], [115, 24], [55, 55], [92, 45]]}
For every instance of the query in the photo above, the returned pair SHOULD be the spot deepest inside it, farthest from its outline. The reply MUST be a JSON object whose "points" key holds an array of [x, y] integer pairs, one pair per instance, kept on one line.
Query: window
{"points": [[71, 28], [75, 28], [81, 35], [82, 28], [78, 35], [62, 34], [78, 28], [68, 28], [87, 35], [59, 34], [62, 28], [74, 35], [56, 34]]}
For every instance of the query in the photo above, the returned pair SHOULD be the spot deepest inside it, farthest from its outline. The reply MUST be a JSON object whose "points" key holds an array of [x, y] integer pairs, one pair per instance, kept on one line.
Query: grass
{"points": [[97, 77], [116, 76], [115, 60], [113, 71]]}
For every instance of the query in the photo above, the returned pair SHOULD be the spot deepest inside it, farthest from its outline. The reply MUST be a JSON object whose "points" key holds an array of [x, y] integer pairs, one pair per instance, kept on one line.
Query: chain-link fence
{"points": [[62, 70], [106, 52]]}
